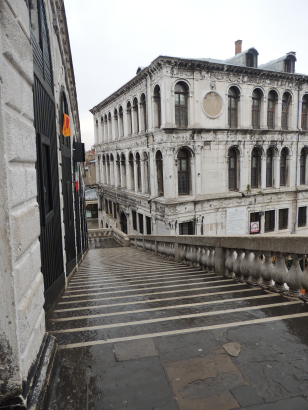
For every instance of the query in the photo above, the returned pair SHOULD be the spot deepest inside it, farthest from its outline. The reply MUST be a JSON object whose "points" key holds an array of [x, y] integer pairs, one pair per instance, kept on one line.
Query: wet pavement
{"points": [[139, 332]]}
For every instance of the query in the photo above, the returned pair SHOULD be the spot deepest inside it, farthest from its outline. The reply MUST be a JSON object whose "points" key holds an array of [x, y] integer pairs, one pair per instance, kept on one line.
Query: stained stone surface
{"points": [[134, 349]]}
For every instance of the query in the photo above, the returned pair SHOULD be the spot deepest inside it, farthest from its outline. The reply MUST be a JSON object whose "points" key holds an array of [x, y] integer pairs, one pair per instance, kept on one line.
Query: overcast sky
{"points": [[111, 39]]}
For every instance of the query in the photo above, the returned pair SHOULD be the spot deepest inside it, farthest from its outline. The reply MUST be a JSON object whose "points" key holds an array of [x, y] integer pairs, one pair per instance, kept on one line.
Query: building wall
{"points": [[22, 318], [22, 315], [207, 138]]}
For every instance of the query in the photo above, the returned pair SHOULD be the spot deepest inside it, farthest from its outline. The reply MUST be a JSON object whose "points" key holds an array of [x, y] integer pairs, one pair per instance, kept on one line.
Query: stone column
{"points": [[102, 171], [198, 169], [193, 175], [263, 171], [128, 174], [143, 176], [168, 171], [95, 132], [116, 175], [279, 114], [276, 171], [135, 176], [106, 173]]}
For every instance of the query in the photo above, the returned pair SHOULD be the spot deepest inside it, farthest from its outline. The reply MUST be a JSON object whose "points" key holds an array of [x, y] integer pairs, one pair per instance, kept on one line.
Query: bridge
{"points": [[183, 322]]}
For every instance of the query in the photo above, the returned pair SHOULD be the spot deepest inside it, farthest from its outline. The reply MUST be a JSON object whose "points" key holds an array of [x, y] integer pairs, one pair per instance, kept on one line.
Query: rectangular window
{"points": [[148, 223], [255, 217], [186, 228], [134, 215], [269, 221], [283, 218], [302, 216], [140, 216]]}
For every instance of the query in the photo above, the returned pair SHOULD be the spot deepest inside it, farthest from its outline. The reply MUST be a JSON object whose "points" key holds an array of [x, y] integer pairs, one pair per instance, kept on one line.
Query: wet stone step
{"points": [[175, 324], [115, 306], [121, 317]]}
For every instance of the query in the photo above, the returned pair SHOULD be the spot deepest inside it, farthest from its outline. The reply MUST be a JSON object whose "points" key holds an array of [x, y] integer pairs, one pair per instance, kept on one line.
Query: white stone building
{"points": [[203, 146], [39, 244]]}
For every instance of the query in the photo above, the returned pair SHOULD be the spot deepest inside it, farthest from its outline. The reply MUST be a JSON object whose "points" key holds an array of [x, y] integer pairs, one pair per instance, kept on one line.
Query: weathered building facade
{"points": [[42, 208], [205, 147]]}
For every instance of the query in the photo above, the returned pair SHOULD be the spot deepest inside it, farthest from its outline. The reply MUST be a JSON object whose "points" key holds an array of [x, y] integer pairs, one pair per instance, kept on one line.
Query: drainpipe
{"points": [[296, 189]]}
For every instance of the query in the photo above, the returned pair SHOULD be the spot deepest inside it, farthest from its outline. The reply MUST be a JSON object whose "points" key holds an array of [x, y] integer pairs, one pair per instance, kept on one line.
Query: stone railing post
{"points": [[238, 276], [231, 258], [256, 269]]}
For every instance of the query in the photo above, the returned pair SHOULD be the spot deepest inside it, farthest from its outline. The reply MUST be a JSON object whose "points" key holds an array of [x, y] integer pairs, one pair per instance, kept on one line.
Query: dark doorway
{"points": [[123, 222]]}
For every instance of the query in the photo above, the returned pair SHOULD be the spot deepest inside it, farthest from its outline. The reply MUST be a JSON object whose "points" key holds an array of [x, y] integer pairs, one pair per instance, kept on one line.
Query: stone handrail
{"points": [[95, 235], [258, 260]]}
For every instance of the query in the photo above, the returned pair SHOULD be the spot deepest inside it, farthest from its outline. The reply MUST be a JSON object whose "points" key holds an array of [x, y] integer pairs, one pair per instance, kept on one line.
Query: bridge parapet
{"points": [[95, 235], [276, 263]]}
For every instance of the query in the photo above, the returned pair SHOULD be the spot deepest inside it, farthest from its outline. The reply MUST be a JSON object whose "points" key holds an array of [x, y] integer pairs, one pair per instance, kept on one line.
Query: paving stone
{"points": [[233, 349], [246, 396], [204, 382], [296, 403], [134, 349]]}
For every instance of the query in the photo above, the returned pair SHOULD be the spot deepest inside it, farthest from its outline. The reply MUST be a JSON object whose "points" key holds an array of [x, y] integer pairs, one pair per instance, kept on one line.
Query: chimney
{"points": [[238, 46]]}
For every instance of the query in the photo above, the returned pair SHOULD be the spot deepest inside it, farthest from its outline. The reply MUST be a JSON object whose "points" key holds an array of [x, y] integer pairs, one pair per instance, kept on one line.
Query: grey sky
{"points": [[110, 39]]}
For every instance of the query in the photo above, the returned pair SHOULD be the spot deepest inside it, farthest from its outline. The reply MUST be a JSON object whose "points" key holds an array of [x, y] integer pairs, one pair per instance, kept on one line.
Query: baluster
{"points": [[294, 277], [190, 256], [204, 258], [211, 259], [229, 263], [182, 253], [257, 263], [280, 273], [246, 265], [305, 283], [267, 271], [238, 276], [198, 257]]}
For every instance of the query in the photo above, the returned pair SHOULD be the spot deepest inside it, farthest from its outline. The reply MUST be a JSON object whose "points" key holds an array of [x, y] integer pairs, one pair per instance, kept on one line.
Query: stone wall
{"points": [[22, 318]]}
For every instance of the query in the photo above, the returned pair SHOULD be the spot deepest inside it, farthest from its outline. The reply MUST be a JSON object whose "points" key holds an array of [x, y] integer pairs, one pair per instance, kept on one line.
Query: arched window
{"points": [[303, 167], [131, 172], [271, 109], [305, 113], [108, 169], [115, 123], [256, 109], [160, 174], [138, 166], [104, 169], [136, 115], [269, 167], [255, 168], [146, 172], [129, 118], [183, 172], [123, 171], [233, 97], [143, 113], [286, 100], [121, 124], [111, 170], [233, 169], [106, 128], [118, 174], [157, 107], [109, 127], [180, 97], [283, 167]]}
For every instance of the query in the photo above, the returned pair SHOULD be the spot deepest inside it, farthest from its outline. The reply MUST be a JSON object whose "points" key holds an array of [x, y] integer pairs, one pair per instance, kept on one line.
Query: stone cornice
{"points": [[217, 70]]}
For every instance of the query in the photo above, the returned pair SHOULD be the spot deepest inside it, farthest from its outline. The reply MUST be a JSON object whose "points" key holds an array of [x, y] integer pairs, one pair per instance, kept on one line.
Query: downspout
{"points": [[296, 189]]}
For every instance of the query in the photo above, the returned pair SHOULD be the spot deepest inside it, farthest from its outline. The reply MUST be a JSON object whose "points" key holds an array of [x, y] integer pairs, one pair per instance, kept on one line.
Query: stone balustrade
{"points": [[272, 262], [95, 236]]}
